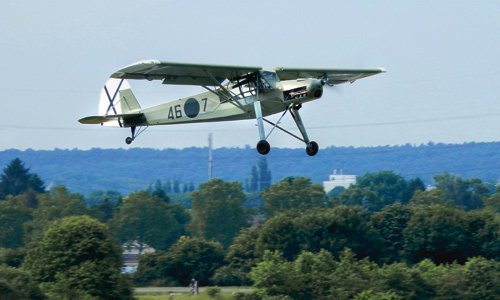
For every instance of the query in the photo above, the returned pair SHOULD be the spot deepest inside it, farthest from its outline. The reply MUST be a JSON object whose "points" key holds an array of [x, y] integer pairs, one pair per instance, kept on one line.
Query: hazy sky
{"points": [[442, 60]]}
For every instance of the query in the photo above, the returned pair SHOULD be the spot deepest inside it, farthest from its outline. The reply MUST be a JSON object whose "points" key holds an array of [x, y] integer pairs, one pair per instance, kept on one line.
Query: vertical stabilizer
{"points": [[117, 98]]}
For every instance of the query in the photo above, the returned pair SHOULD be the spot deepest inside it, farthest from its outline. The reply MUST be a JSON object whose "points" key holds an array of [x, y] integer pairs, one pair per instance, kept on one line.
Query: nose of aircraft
{"points": [[315, 89]]}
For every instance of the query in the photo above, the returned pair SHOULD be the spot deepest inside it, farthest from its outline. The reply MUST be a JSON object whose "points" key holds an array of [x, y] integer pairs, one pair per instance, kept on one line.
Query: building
{"points": [[336, 180], [131, 253]]}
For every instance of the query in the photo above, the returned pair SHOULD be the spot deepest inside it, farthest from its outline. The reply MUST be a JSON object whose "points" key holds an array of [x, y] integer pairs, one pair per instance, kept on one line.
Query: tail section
{"points": [[117, 98]]}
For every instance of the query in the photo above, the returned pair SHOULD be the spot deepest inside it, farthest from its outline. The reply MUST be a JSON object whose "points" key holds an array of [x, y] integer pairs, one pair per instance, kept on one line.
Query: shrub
{"points": [[213, 291]]}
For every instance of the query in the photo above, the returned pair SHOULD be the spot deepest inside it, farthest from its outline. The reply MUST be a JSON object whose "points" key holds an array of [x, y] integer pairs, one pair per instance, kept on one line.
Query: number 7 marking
{"points": [[204, 105]]}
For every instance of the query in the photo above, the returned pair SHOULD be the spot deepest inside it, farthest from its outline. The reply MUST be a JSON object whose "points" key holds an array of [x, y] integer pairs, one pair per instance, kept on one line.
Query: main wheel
{"points": [[129, 140], [312, 148], [263, 147]]}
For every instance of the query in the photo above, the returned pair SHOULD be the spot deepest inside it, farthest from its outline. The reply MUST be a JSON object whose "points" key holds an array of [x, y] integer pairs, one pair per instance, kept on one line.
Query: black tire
{"points": [[128, 140], [312, 148], [263, 147]]}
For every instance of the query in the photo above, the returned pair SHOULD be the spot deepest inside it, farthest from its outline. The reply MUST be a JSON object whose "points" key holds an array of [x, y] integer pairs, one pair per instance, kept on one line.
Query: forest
{"points": [[133, 169], [386, 237]]}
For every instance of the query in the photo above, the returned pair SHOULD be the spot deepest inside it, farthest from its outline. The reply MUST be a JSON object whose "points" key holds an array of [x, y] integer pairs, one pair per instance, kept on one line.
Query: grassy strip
{"points": [[183, 293]]}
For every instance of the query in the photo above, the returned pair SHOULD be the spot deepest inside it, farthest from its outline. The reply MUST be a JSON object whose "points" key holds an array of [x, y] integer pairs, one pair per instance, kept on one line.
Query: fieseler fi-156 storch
{"points": [[233, 93]]}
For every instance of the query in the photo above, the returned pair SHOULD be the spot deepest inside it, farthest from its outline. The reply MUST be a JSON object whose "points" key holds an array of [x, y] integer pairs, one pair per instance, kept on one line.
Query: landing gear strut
{"points": [[263, 146], [129, 139], [312, 147], [135, 134]]}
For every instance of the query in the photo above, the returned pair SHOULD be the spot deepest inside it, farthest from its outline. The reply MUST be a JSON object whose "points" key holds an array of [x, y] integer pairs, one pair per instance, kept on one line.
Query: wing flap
{"points": [[332, 76], [182, 73]]}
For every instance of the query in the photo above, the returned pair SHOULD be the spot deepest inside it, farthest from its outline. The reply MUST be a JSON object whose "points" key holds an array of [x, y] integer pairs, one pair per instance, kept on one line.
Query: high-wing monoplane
{"points": [[232, 93]]}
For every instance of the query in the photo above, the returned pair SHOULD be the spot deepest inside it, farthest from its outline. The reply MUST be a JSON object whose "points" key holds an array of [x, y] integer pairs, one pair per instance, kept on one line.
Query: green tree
{"points": [[483, 233], [482, 280], [434, 196], [351, 276], [12, 257], [13, 215], [373, 191], [16, 179], [331, 229], [293, 193], [168, 186], [371, 295], [404, 282], [104, 211], [218, 212], [280, 233], [314, 273], [57, 204], [390, 224], [493, 202], [265, 177], [336, 191], [147, 220], [466, 193], [240, 259], [254, 180], [159, 192], [437, 232], [314, 276], [477, 279], [274, 276], [17, 284], [187, 258], [176, 189], [362, 197], [434, 275], [78, 254], [97, 198]]}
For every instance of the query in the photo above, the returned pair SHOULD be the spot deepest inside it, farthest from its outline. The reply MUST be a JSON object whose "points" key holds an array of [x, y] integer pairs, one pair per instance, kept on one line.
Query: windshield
{"points": [[268, 79]]}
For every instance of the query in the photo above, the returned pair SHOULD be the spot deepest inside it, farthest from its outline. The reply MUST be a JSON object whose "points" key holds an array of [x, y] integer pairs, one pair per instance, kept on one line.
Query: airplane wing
{"points": [[332, 76], [128, 118], [183, 73]]}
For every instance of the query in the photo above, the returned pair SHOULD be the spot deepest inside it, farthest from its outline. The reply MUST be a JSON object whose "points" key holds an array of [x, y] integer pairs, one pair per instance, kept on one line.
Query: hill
{"points": [[127, 170]]}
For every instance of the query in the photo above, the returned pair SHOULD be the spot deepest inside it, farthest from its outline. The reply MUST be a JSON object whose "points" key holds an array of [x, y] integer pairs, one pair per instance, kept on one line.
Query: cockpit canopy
{"points": [[268, 79]]}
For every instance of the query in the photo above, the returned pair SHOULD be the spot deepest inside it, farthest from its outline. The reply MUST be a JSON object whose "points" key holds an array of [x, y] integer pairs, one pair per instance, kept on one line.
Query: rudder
{"points": [[117, 98]]}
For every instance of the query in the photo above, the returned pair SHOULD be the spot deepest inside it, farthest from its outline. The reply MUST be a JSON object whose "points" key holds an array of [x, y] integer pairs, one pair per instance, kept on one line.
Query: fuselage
{"points": [[235, 101]]}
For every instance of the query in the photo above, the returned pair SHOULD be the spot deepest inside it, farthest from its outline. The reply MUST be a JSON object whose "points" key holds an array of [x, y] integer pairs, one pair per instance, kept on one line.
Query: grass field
{"points": [[181, 293]]}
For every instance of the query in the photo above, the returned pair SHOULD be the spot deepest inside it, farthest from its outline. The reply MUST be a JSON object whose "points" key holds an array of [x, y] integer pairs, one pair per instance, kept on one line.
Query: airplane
{"points": [[232, 93]]}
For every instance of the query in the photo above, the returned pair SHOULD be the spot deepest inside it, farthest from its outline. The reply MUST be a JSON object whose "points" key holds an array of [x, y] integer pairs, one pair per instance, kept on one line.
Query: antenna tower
{"points": [[210, 158]]}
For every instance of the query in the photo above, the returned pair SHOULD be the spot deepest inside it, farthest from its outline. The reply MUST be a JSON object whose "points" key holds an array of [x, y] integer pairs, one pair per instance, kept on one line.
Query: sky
{"points": [[442, 60]]}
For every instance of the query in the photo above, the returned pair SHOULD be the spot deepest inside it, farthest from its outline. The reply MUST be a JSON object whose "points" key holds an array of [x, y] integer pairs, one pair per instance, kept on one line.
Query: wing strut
{"points": [[229, 98]]}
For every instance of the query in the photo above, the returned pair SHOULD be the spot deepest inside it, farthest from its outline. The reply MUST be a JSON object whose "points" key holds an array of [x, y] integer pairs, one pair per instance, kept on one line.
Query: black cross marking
{"points": [[111, 100]]}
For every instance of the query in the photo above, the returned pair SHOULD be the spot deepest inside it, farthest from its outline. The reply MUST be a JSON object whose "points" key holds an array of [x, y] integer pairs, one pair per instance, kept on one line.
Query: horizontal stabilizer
{"points": [[128, 119]]}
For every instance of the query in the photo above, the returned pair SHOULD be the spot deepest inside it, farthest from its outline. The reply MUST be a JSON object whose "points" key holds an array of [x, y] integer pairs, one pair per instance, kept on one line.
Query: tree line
{"points": [[386, 237], [128, 170]]}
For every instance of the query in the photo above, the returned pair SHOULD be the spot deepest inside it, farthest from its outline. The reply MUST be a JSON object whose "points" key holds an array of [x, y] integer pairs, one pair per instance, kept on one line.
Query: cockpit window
{"points": [[268, 79]]}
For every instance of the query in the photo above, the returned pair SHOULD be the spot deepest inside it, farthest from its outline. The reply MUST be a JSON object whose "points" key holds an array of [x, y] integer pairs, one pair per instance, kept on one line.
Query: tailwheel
{"points": [[263, 147], [129, 140], [312, 148]]}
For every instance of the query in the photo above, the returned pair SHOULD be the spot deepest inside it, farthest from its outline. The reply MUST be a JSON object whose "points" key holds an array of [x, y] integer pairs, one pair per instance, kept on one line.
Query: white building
{"points": [[130, 255], [336, 180]]}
